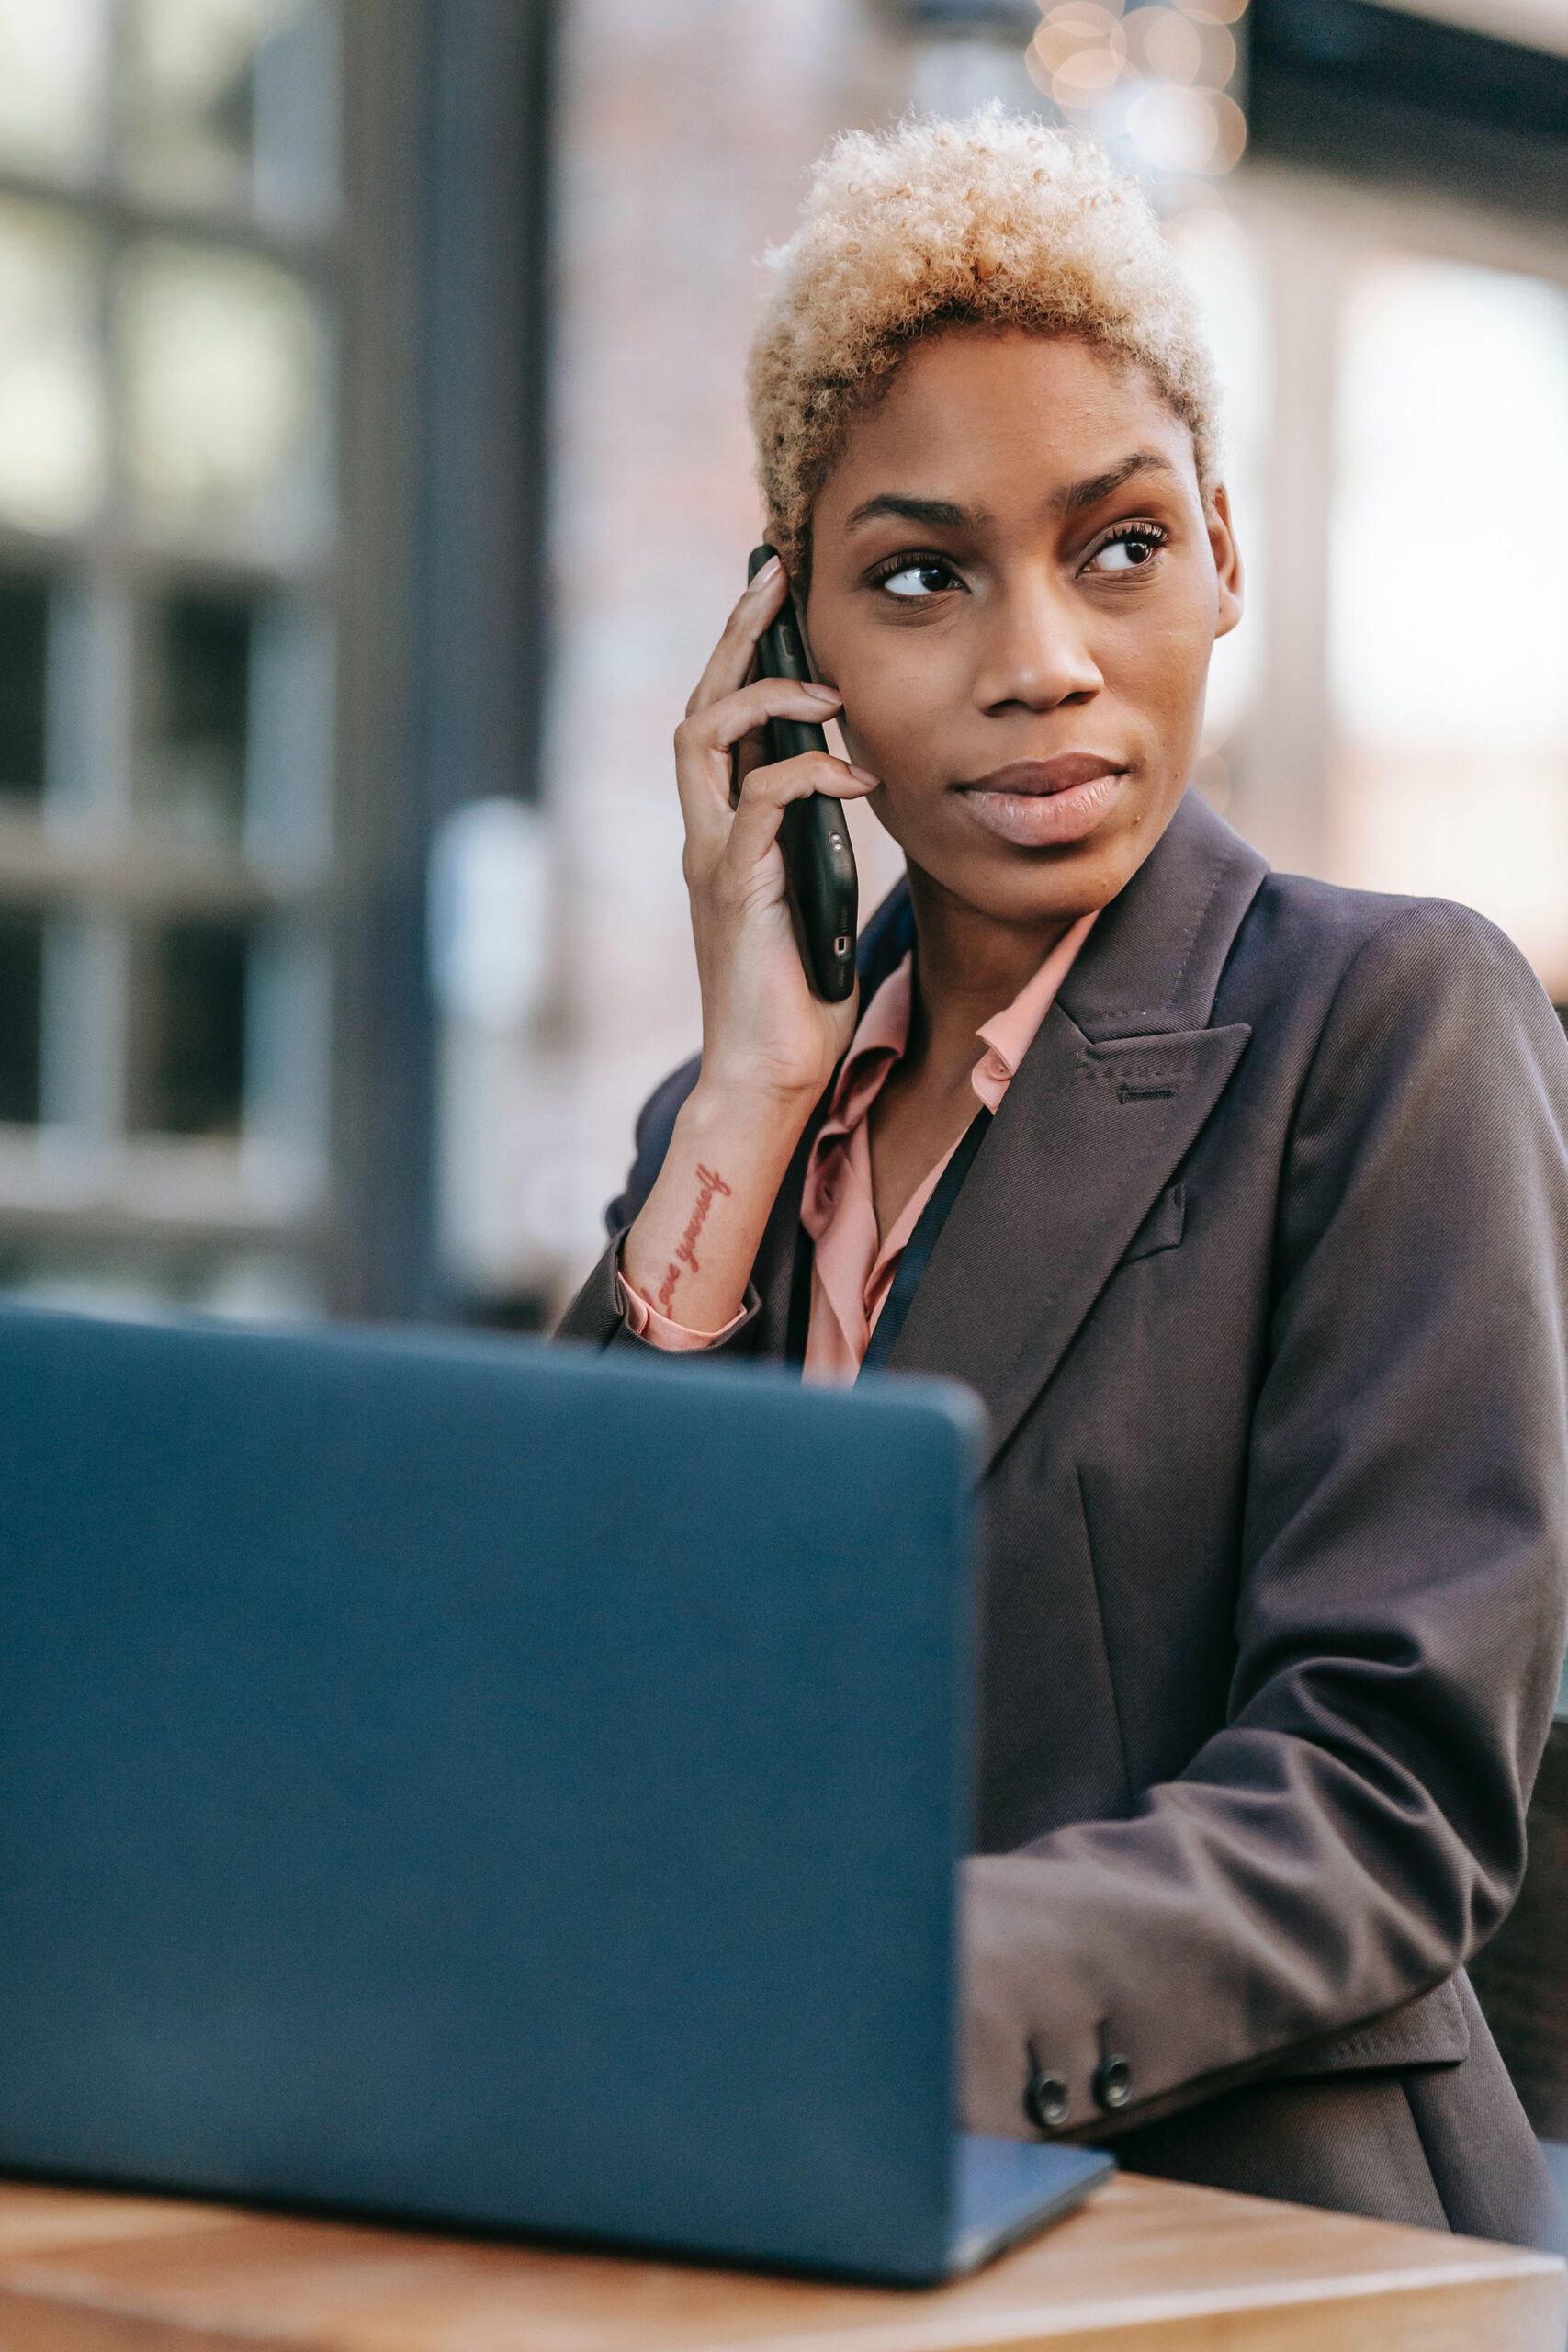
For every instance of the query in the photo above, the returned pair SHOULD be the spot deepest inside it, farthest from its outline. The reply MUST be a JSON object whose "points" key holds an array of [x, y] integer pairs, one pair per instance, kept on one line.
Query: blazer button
{"points": [[1112, 2083], [1047, 2102]]}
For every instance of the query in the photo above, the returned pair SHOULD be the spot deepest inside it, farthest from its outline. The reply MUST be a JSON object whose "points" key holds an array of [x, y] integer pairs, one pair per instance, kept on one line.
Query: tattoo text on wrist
{"points": [[709, 1182]]}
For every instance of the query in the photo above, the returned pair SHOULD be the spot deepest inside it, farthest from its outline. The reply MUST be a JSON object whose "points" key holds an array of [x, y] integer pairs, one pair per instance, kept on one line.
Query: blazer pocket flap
{"points": [[1431, 2030], [1161, 1230]]}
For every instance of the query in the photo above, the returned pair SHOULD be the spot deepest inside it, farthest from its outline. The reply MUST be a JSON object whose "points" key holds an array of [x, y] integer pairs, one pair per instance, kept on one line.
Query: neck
{"points": [[970, 967]]}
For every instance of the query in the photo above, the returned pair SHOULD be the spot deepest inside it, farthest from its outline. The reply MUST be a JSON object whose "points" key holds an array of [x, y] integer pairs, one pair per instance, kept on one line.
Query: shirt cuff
{"points": [[645, 1322]]}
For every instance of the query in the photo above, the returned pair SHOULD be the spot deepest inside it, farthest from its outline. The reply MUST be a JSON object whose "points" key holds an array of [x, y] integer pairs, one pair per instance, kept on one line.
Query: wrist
{"points": [[690, 1252], [750, 1118]]}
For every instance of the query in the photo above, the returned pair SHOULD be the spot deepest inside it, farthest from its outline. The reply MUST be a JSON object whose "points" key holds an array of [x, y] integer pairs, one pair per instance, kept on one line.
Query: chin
{"points": [[1030, 886]]}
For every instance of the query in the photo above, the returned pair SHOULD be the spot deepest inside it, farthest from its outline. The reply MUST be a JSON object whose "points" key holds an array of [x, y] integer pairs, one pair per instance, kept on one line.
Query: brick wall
{"points": [[684, 131]]}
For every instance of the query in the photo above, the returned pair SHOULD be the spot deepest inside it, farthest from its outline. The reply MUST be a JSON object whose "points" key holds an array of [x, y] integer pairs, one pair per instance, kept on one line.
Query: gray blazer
{"points": [[1262, 1274]]}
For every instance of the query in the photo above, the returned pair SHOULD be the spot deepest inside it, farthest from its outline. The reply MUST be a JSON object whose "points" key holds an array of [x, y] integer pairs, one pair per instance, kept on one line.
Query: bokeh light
{"points": [[52, 397], [221, 362], [1152, 83], [54, 85]]}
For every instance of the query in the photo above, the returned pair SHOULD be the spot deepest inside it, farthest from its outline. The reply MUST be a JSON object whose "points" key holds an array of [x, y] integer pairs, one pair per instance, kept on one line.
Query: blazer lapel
{"points": [[1109, 1101], [1070, 1168]]}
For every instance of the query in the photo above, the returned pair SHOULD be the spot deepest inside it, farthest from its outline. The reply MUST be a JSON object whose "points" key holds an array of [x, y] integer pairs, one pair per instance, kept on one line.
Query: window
{"points": [[1400, 721], [21, 973], [24, 631], [187, 1058], [192, 752], [1448, 621], [170, 250]]}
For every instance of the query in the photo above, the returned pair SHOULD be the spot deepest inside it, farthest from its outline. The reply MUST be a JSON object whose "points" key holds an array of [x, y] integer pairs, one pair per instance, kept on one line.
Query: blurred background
{"points": [[374, 480]]}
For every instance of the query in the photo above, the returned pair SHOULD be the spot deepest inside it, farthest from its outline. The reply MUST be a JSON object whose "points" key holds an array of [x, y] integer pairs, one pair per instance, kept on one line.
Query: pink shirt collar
{"points": [[855, 1265]]}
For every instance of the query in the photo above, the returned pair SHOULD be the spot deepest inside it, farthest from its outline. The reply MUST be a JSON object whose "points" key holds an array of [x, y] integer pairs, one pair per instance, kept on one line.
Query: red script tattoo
{"points": [[710, 1182]]}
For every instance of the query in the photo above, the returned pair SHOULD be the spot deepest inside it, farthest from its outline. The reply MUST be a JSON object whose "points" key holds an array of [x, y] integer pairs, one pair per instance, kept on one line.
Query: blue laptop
{"points": [[490, 1785]]}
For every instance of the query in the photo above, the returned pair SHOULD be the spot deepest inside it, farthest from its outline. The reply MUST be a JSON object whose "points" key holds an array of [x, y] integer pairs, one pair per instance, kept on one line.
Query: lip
{"points": [[1038, 804]]}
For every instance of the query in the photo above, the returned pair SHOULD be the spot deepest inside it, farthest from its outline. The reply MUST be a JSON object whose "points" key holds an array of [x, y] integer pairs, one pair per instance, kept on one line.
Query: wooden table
{"points": [[1146, 2264]]}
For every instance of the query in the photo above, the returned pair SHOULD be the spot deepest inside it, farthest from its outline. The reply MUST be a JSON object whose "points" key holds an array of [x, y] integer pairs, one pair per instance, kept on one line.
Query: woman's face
{"points": [[1016, 590]]}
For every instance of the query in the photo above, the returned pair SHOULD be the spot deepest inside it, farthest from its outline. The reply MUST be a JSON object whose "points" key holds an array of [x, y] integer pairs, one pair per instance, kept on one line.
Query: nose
{"points": [[1034, 653]]}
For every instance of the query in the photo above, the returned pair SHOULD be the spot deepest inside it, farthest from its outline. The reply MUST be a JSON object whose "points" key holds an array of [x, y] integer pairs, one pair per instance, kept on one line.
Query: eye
{"points": [[912, 576], [1132, 549]]}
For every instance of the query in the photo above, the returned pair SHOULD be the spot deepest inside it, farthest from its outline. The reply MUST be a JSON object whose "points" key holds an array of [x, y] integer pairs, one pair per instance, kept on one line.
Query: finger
{"points": [[732, 657], [786, 780], [749, 708], [751, 751], [768, 792], [704, 769]]}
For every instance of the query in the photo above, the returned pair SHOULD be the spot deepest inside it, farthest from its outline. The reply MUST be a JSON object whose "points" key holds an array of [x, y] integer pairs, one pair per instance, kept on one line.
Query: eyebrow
{"points": [[941, 515], [936, 513], [1080, 495]]}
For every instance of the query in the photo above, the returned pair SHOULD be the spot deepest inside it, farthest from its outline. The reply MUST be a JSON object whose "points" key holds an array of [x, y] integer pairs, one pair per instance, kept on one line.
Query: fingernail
{"points": [[863, 776], [824, 694], [760, 579]]}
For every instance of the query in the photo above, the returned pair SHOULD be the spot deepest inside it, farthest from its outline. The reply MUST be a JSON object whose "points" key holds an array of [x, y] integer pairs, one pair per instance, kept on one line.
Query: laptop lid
{"points": [[484, 1783]]}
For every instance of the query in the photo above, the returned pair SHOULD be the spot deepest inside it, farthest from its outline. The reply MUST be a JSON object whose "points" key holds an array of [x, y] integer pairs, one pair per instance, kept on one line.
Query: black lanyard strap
{"points": [[799, 1324], [922, 1242]]}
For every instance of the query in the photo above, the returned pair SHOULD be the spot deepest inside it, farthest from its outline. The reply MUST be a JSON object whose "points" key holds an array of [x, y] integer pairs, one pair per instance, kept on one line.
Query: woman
{"points": [[1258, 1257]]}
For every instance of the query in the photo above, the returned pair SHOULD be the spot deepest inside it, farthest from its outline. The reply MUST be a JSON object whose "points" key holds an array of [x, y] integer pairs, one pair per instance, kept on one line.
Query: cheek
{"points": [[1162, 660], [895, 692]]}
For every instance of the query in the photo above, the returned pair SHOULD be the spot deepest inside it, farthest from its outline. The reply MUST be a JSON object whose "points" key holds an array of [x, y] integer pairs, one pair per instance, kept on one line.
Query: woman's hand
{"points": [[769, 1045], [764, 1031]]}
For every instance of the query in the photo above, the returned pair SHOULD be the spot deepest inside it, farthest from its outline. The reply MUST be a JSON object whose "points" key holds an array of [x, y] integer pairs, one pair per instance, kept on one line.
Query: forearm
{"points": [[691, 1252], [769, 1045], [1288, 1916]]}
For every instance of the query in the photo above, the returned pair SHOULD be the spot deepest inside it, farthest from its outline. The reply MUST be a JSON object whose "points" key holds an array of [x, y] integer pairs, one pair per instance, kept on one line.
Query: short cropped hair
{"points": [[994, 221]]}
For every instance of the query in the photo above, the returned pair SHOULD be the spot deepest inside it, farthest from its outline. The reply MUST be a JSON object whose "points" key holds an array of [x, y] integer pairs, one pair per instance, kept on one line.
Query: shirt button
{"points": [[995, 1067]]}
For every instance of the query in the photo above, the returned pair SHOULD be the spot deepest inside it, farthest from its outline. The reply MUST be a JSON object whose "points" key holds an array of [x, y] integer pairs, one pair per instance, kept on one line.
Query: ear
{"points": [[1227, 561]]}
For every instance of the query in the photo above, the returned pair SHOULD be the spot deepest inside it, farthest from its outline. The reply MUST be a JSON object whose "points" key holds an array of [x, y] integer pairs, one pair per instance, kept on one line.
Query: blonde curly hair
{"points": [[994, 221]]}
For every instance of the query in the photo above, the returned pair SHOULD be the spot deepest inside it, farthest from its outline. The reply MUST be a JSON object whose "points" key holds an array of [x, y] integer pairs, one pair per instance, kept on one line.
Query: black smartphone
{"points": [[819, 865]]}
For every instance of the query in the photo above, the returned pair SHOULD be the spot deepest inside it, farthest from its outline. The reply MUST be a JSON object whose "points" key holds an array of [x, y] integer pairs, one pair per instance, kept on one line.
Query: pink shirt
{"points": [[854, 1266]]}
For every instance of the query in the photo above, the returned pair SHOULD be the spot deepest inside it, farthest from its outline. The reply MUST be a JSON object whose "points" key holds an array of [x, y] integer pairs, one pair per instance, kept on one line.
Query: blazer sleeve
{"points": [[1356, 1829]]}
